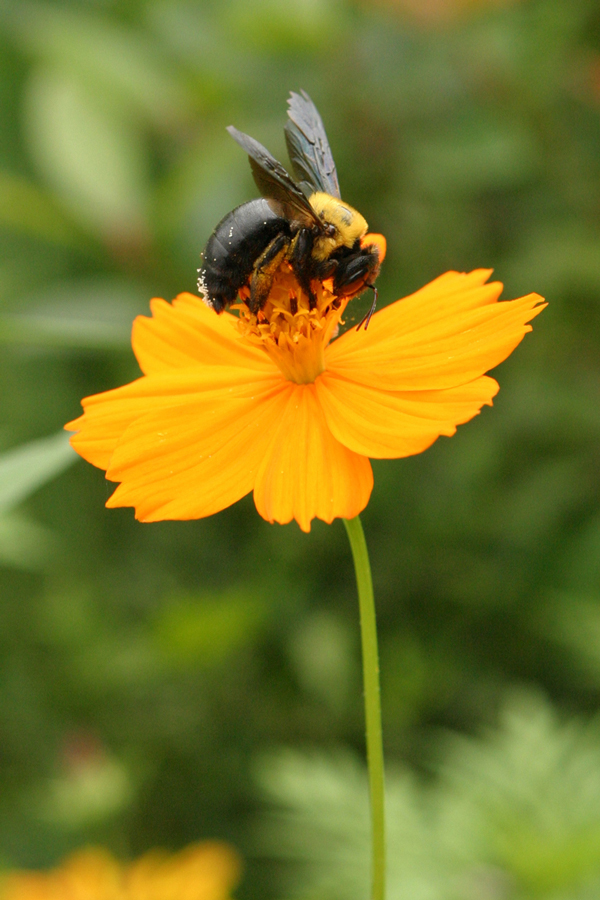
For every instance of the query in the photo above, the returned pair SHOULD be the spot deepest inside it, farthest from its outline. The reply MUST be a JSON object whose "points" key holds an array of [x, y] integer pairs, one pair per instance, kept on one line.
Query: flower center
{"points": [[291, 333]]}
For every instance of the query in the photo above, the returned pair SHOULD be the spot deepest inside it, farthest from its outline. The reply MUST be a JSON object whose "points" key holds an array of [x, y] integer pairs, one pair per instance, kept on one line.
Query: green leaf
{"points": [[200, 188], [94, 313], [93, 791], [25, 207], [24, 544], [277, 26], [477, 152], [321, 652], [206, 630], [26, 468], [526, 799], [56, 331], [90, 154], [120, 63]]}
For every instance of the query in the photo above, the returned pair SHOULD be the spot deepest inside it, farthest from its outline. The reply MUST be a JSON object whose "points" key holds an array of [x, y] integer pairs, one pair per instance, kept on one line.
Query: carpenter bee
{"points": [[304, 223]]}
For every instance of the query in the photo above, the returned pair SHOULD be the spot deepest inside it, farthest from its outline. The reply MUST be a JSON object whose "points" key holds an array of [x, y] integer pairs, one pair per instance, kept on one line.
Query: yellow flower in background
{"points": [[206, 871], [272, 403]]}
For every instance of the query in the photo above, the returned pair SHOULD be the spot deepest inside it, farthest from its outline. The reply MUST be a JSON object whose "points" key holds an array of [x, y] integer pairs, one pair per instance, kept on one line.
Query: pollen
{"points": [[292, 334]]}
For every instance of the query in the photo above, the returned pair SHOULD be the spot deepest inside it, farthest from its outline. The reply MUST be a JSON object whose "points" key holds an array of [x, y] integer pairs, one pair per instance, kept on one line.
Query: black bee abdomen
{"points": [[233, 248]]}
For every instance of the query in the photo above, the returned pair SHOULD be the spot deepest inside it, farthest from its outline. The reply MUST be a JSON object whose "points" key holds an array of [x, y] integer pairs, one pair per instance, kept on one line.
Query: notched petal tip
{"points": [[375, 240], [393, 424], [195, 458], [446, 334], [307, 473]]}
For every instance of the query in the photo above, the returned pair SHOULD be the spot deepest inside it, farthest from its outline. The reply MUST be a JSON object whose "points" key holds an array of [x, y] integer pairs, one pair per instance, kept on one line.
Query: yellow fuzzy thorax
{"points": [[349, 224]]}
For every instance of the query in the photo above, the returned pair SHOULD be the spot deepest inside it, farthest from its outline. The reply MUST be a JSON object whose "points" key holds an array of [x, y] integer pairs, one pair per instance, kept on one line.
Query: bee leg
{"points": [[299, 257], [356, 273], [326, 269], [265, 268]]}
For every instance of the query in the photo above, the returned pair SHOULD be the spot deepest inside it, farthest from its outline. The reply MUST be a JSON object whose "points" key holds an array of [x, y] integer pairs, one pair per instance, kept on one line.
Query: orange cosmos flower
{"points": [[271, 403], [206, 871]]}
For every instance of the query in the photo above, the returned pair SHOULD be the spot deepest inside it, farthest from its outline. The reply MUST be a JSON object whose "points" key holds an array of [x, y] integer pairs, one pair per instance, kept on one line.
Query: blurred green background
{"points": [[164, 683]]}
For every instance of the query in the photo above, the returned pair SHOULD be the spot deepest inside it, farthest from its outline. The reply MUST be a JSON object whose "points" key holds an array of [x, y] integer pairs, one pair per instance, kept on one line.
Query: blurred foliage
{"points": [[145, 668], [515, 815]]}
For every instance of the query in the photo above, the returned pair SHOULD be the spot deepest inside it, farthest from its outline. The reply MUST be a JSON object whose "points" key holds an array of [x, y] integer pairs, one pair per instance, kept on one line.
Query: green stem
{"points": [[368, 631]]}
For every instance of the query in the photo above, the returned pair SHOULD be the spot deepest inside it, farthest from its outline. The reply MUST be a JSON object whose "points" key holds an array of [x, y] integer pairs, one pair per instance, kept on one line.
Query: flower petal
{"points": [[307, 473], [375, 240], [109, 414], [386, 424], [186, 333], [447, 334], [195, 458]]}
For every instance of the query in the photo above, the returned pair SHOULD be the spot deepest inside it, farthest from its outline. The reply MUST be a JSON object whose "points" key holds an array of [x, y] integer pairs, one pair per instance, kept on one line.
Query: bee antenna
{"points": [[367, 318]]}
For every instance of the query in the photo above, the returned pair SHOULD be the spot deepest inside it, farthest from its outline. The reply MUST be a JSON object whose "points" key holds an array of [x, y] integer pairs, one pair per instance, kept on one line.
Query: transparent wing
{"points": [[308, 147], [273, 181]]}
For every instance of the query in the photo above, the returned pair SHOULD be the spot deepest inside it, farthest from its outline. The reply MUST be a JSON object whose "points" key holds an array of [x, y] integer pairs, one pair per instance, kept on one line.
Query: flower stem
{"points": [[368, 631]]}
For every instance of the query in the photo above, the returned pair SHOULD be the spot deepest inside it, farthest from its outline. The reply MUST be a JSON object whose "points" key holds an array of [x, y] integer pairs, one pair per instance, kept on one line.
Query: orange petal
{"points": [[378, 241], [198, 457], [186, 333], [87, 873], [386, 424], [109, 414], [448, 333], [204, 871], [307, 473]]}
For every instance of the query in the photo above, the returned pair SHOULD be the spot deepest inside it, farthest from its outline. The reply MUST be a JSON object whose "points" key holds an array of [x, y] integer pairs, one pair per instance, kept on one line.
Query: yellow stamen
{"points": [[291, 333]]}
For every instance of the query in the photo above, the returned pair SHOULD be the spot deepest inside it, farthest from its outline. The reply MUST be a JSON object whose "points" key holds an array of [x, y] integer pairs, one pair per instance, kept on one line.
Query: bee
{"points": [[304, 223]]}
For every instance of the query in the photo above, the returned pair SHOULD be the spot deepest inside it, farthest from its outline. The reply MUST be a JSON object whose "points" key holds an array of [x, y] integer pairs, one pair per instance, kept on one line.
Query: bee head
{"points": [[343, 225]]}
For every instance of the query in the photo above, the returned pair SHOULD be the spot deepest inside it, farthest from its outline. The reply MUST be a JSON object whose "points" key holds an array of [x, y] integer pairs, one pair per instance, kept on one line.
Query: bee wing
{"points": [[273, 181], [308, 147]]}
